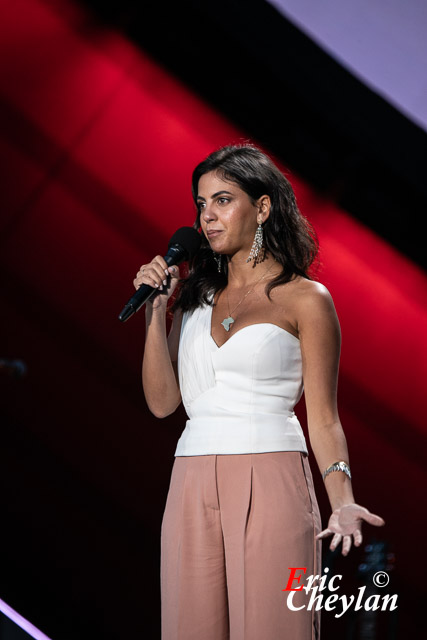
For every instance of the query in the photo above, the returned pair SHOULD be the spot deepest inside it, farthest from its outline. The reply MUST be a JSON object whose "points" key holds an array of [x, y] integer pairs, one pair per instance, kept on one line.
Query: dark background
{"points": [[104, 112]]}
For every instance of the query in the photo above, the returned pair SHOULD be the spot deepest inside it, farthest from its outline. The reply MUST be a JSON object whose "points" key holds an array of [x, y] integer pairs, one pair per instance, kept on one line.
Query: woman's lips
{"points": [[213, 233]]}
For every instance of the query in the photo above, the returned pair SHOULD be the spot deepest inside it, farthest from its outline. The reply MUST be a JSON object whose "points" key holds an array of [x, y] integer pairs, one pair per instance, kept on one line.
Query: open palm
{"points": [[345, 523]]}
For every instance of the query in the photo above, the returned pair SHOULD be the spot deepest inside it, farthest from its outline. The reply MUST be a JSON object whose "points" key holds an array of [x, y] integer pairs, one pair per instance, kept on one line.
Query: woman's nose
{"points": [[208, 214]]}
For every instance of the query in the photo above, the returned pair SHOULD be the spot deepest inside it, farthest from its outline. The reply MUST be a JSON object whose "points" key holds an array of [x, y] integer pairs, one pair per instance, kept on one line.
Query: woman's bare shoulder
{"points": [[312, 292], [304, 300], [314, 308], [299, 300], [303, 291]]}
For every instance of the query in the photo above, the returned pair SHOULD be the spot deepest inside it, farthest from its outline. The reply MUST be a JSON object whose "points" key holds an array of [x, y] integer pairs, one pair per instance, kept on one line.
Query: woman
{"points": [[249, 329]]}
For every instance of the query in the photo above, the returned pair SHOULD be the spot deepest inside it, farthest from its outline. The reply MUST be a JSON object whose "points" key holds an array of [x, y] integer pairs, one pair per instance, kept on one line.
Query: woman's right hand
{"points": [[157, 274]]}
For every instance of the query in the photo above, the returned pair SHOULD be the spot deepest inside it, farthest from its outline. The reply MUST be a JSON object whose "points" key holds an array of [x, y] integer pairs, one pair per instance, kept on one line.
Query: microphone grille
{"points": [[188, 238]]}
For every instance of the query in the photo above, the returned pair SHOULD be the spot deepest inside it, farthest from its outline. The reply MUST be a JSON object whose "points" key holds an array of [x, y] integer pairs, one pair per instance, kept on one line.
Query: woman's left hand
{"points": [[346, 522]]}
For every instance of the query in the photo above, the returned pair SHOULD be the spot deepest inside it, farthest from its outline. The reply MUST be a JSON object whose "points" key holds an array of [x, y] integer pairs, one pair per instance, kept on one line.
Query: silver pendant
{"points": [[227, 322]]}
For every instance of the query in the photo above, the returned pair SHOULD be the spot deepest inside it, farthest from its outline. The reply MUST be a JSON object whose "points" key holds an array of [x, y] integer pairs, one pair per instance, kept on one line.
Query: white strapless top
{"points": [[239, 397]]}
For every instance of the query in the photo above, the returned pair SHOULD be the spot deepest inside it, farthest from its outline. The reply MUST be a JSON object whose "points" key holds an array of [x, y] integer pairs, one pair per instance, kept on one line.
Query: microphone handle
{"points": [[175, 255]]}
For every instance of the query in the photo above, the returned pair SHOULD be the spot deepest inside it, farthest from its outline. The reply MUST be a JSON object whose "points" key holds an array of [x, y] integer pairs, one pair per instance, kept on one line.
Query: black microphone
{"points": [[183, 245]]}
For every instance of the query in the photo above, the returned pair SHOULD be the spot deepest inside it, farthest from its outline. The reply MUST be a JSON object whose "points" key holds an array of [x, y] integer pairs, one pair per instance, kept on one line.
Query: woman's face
{"points": [[227, 216]]}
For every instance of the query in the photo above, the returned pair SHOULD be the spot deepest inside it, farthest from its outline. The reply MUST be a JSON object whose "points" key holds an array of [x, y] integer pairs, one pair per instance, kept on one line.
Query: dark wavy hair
{"points": [[288, 235]]}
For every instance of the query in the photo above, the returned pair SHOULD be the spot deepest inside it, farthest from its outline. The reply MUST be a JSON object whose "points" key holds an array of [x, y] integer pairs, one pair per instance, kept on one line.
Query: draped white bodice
{"points": [[239, 397]]}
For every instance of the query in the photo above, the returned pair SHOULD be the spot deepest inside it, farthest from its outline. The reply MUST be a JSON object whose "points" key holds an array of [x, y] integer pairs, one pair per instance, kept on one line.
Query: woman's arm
{"points": [[159, 373], [320, 339]]}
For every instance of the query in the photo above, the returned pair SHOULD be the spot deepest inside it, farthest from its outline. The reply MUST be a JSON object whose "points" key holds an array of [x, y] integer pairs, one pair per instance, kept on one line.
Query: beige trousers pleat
{"points": [[232, 527]]}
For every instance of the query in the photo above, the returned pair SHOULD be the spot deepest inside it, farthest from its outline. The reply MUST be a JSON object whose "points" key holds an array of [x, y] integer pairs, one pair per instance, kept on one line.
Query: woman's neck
{"points": [[242, 274]]}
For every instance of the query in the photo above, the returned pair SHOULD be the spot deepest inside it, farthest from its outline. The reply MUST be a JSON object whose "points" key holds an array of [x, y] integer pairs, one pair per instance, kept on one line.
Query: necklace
{"points": [[227, 322]]}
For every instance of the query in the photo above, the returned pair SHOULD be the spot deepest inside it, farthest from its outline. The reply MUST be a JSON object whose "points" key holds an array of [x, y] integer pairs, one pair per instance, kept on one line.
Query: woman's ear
{"points": [[264, 206]]}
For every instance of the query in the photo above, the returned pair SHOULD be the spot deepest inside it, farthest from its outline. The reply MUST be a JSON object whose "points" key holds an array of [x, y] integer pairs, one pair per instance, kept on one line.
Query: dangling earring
{"points": [[257, 251], [218, 260]]}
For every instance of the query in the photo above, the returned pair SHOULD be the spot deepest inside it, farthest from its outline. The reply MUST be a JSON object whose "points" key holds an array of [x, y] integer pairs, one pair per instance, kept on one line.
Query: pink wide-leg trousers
{"points": [[232, 527]]}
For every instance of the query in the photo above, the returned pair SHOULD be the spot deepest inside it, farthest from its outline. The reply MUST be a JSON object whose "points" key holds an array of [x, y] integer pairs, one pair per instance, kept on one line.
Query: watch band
{"points": [[337, 466]]}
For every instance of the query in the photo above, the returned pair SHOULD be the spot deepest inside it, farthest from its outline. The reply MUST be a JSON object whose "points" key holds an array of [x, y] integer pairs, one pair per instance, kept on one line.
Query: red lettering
{"points": [[292, 578]]}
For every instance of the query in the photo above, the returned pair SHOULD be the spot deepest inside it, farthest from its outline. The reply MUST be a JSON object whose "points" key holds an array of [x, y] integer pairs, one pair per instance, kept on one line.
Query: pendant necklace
{"points": [[227, 322]]}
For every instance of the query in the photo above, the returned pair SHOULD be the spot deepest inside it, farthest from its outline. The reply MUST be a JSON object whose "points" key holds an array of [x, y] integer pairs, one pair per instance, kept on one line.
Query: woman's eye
{"points": [[223, 200], [201, 205]]}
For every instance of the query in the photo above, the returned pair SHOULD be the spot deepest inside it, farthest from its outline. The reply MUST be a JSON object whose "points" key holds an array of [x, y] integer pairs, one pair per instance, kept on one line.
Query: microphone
{"points": [[183, 245]]}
